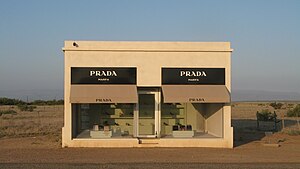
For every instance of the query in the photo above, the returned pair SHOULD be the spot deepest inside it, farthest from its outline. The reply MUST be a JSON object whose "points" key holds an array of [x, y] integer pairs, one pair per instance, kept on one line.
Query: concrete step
{"points": [[149, 141]]}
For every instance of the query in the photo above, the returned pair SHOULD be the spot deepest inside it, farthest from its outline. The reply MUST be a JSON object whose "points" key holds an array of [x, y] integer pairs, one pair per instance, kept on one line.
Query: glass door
{"points": [[148, 109]]}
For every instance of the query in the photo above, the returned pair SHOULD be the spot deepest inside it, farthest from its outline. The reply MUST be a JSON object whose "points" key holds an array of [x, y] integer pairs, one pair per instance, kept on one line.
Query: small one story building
{"points": [[147, 94]]}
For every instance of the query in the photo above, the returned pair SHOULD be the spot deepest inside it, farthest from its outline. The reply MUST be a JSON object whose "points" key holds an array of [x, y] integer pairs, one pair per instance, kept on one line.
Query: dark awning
{"points": [[195, 94], [103, 94]]}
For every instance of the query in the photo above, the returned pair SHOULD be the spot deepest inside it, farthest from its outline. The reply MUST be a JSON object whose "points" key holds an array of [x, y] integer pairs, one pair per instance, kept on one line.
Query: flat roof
{"points": [[147, 46]]}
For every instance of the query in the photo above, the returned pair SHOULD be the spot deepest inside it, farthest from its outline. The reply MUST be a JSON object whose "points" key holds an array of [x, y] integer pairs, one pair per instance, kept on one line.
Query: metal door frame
{"points": [[157, 96]]}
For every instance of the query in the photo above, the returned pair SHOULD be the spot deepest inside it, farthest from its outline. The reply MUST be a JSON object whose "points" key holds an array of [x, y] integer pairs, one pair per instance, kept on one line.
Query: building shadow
{"points": [[246, 131]]}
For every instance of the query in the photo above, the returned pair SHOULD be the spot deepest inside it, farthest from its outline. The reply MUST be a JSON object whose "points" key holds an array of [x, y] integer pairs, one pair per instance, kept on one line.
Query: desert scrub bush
{"points": [[48, 102], [2, 134], [25, 107], [276, 105], [295, 112], [264, 115], [290, 105], [7, 112], [7, 101]]}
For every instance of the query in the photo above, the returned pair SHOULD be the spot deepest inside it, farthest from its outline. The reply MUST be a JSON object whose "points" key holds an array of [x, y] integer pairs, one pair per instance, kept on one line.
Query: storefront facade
{"points": [[147, 94]]}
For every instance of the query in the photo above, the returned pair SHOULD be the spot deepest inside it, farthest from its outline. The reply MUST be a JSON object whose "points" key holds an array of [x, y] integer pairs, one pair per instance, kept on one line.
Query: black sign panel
{"points": [[103, 75], [191, 76]]}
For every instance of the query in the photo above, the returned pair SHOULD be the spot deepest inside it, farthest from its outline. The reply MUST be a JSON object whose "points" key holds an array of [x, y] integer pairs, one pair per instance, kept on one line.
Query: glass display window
{"points": [[103, 120], [191, 120]]}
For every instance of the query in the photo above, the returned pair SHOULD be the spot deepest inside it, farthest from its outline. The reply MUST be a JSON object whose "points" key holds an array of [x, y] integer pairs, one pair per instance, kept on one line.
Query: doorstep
{"points": [[148, 140]]}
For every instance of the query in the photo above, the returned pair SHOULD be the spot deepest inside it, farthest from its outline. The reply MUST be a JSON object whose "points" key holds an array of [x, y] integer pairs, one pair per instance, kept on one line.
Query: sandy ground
{"points": [[151, 166], [43, 150]]}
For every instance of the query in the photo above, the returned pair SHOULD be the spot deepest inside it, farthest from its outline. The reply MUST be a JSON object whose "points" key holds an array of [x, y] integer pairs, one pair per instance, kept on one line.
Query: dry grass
{"points": [[247, 110], [44, 120]]}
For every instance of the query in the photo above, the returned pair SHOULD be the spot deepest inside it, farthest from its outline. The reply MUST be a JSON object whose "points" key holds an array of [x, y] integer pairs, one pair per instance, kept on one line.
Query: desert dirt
{"points": [[34, 138]]}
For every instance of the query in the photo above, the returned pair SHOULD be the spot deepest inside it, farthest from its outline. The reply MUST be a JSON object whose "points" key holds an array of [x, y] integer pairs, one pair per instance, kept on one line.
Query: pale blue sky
{"points": [[264, 34]]}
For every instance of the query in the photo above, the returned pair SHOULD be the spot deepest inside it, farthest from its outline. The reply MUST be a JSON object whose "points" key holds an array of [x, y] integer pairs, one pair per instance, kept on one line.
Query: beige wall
{"points": [[149, 64], [214, 119], [149, 58], [195, 117]]}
